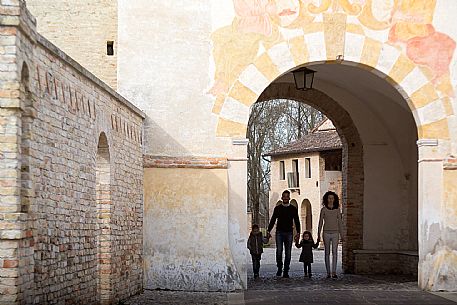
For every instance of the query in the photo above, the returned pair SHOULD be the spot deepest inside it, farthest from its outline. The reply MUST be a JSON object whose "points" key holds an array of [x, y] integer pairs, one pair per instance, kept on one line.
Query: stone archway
{"points": [[430, 108], [429, 104], [103, 197]]}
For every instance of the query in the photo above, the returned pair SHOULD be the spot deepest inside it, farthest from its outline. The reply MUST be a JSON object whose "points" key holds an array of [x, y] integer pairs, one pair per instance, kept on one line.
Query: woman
{"points": [[330, 219]]}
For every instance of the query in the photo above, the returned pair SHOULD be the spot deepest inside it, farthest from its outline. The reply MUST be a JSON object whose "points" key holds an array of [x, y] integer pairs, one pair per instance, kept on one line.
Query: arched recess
{"points": [[28, 113], [306, 215], [353, 189], [27, 193], [103, 197]]}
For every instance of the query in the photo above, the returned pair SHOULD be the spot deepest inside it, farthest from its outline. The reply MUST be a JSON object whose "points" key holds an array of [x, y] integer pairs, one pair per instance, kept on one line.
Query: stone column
{"points": [[16, 246], [237, 210], [437, 230]]}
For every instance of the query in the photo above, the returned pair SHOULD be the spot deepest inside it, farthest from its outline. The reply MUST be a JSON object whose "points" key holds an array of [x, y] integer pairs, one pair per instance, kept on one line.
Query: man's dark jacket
{"points": [[286, 216]]}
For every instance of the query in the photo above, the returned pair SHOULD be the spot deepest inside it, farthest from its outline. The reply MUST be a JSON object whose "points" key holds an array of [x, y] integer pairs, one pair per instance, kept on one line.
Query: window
{"points": [[282, 171], [333, 161], [295, 171], [110, 48], [307, 167]]}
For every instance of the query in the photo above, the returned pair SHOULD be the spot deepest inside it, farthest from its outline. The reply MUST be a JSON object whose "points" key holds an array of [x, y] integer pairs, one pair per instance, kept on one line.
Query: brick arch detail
{"points": [[104, 214], [352, 173], [430, 108]]}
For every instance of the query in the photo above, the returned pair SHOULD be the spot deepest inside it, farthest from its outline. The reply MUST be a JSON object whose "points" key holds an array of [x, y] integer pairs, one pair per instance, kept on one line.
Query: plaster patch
{"points": [[377, 35], [454, 105], [431, 112], [235, 111], [253, 79], [353, 47], [387, 58], [414, 81], [450, 201], [186, 237], [291, 33], [316, 46], [452, 121], [438, 271], [281, 57]]}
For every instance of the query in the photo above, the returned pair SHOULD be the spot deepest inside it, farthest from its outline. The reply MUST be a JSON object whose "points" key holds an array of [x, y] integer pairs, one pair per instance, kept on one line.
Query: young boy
{"points": [[255, 246]]}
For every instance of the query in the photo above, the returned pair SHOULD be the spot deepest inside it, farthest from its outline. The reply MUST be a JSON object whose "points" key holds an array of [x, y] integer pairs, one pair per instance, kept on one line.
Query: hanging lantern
{"points": [[303, 78]]}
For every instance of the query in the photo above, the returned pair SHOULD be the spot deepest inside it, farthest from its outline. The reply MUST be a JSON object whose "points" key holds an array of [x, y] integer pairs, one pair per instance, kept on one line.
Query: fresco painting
{"points": [[260, 24]]}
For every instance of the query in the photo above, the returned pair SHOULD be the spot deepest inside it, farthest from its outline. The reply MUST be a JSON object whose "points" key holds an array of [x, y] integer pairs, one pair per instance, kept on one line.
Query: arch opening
{"points": [[27, 116], [379, 164], [103, 199], [306, 215]]}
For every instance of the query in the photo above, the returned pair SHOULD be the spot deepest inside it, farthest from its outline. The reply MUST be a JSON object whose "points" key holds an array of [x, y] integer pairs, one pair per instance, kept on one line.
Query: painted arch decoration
{"points": [[394, 39]]}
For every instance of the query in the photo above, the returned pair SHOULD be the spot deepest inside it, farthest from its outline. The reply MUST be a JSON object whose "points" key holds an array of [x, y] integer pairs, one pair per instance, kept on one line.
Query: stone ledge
{"points": [[185, 162], [373, 251], [450, 163]]}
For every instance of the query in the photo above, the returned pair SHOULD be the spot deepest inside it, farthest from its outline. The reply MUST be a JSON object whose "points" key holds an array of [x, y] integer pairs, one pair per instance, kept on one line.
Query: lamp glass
{"points": [[303, 78]]}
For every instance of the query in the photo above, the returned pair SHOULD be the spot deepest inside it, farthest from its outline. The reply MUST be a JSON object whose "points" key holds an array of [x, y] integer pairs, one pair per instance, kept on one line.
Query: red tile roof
{"points": [[312, 142]]}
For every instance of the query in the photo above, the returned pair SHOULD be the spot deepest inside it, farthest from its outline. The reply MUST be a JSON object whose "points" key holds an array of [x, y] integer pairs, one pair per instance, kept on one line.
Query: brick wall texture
{"points": [[150, 161], [71, 176], [387, 263], [81, 29]]}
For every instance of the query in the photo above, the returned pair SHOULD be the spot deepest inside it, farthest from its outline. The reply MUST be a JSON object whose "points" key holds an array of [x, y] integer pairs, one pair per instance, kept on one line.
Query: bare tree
{"points": [[272, 124]]}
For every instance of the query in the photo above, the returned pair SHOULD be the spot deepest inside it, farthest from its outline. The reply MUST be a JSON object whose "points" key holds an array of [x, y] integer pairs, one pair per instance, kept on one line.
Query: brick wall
{"points": [[388, 262], [184, 162], [63, 238], [81, 28]]}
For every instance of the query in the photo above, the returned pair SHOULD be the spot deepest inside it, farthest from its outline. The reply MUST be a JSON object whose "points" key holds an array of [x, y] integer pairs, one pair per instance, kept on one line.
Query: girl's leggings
{"points": [[331, 239], [307, 268]]}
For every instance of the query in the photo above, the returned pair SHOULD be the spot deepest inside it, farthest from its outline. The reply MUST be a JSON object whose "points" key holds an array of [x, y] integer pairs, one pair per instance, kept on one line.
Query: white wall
{"points": [[164, 68]]}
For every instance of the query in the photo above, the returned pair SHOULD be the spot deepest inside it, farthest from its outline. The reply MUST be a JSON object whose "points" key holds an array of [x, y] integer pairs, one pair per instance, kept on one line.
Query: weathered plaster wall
{"points": [[186, 230], [397, 42], [237, 223], [81, 29], [437, 260], [53, 228], [172, 50]]}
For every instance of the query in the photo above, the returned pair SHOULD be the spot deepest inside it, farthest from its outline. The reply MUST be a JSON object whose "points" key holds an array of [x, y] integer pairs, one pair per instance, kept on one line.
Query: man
{"points": [[286, 214]]}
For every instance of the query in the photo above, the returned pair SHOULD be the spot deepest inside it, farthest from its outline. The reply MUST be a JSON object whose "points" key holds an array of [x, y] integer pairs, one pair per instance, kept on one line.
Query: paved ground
{"points": [[269, 289]]}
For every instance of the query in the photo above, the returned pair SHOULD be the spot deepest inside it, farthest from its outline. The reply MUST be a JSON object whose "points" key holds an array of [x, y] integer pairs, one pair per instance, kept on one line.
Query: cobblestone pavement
{"points": [[269, 289]]}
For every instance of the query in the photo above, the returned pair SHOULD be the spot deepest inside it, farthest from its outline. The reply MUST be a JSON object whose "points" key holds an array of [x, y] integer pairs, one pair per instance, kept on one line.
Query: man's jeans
{"points": [[283, 239]]}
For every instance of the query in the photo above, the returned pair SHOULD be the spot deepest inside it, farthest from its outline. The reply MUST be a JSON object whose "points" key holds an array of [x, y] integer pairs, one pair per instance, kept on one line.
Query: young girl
{"points": [[306, 256]]}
